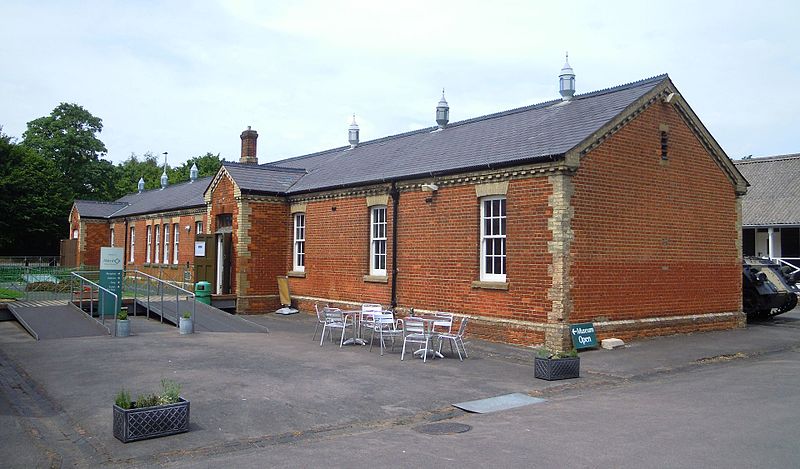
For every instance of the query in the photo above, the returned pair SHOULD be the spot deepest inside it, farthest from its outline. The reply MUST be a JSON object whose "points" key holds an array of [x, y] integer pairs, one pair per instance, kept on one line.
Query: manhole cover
{"points": [[443, 428]]}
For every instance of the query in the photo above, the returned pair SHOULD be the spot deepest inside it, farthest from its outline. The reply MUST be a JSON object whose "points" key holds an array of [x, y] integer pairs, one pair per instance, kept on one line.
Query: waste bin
{"points": [[202, 292]]}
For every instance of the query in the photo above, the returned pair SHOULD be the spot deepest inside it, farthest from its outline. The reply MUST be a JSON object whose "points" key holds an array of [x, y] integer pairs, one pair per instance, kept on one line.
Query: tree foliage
{"points": [[61, 159], [68, 138], [34, 210]]}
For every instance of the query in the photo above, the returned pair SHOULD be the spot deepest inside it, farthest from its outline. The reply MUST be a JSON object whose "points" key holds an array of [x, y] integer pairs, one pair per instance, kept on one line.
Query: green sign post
{"points": [[583, 335], [111, 268]]}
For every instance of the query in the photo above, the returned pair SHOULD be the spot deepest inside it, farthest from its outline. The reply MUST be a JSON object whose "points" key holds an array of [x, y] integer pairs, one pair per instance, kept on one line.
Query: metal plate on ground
{"points": [[443, 428], [493, 404]]}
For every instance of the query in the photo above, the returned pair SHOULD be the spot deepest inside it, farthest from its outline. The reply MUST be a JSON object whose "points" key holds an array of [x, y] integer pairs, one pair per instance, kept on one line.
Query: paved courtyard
{"points": [[281, 390]]}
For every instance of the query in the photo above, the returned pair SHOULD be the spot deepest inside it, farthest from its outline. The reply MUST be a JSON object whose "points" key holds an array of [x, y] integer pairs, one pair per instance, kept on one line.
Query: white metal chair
{"points": [[368, 310], [417, 331], [386, 327], [443, 323], [334, 319], [320, 319], [457, 339]]}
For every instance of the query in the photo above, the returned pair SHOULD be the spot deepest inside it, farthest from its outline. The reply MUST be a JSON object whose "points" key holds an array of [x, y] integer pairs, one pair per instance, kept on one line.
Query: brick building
{"points": [[611, 207]]}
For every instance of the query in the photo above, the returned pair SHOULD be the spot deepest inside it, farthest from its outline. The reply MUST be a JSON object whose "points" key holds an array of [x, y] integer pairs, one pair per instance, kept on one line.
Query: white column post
{"points": [[771, 242]]}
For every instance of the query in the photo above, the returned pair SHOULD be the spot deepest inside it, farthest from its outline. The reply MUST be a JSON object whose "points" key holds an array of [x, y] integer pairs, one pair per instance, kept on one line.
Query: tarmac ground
{"points": [[276, 398]]}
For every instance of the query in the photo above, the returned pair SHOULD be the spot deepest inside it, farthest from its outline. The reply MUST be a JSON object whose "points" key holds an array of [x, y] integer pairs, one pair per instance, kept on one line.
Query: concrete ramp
{"points": [[207, 318], [55, 320]]}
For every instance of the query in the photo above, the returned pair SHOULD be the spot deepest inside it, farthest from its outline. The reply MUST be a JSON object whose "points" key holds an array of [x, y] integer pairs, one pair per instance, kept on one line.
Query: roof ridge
{"points": [[108, 202], [265, 166], [591, 94], [169, 185], [767, 159]]}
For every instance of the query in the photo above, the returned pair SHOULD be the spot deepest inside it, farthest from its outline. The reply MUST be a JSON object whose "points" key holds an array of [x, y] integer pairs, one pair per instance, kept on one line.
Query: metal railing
{"points": [[157, 287], [33, 261], [785, 261], [91, 289]]}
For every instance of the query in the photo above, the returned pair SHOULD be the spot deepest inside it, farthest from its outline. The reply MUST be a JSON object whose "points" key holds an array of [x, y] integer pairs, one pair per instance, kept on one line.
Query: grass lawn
{"points": [[10, 294]]}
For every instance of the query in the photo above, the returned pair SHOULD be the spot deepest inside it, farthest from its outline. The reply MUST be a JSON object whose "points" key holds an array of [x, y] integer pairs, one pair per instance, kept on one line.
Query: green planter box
{"points": [[552, 369]]}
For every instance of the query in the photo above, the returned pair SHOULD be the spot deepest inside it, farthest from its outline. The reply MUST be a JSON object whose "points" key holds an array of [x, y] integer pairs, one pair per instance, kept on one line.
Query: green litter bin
{"points": [[202, 292]]}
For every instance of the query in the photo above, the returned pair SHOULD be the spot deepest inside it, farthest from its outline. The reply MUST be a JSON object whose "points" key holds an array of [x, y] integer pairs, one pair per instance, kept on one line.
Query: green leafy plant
{"points": [[170, 394], [147, 400], [187, 315], [546, 353], [170, 391], [122, 315], [123, 399]]}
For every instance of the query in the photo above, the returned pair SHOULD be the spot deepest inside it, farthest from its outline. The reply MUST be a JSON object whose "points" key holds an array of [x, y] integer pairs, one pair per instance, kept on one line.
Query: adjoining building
{"points": [[613, 207], [771, 208]]}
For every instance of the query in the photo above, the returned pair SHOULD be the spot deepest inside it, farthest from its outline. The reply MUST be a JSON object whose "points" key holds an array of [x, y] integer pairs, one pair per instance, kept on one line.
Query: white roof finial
{"points": [[442, 112], [352, 133], [566, 80], [164, 178]]}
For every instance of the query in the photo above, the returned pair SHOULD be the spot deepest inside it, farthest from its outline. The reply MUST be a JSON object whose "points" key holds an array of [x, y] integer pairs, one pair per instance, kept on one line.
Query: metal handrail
{"points": [[784, 260], [102, 320], [161, 283]]}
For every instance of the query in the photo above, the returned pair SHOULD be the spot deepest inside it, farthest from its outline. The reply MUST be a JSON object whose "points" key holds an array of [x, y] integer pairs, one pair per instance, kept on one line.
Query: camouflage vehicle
{"points": [[768, 289]]}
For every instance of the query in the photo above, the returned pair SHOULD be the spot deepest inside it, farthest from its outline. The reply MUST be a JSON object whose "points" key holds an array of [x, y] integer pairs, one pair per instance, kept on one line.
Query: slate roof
{"points": [[774, 194], [264, 178], [172, 197], [95, 209], [527, 134]]}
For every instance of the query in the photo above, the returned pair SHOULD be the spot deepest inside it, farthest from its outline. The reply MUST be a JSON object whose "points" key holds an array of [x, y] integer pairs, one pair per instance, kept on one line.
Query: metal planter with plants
{"points": [[554, 366], [151, 416]]}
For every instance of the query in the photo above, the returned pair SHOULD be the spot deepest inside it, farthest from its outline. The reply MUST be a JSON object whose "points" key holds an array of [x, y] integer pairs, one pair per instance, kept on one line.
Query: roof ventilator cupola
{"points": [[442, 112], [141, 185], [164, 179], [352, 133], [566, 81], [193, 173]]}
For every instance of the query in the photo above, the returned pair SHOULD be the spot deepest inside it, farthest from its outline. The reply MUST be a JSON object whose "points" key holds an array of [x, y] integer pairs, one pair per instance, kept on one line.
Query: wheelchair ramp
{"points": [[207, 318], [55, 319]]}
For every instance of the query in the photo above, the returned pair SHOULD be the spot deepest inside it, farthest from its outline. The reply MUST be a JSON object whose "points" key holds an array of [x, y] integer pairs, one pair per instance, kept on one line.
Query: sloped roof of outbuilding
{"points": [[173, 197], [774, 194], [527, 134], [264, 178], [96, 209]]}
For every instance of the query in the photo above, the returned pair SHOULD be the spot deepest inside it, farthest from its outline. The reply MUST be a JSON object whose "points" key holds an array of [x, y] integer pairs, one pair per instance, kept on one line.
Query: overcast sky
{"points": [[188, 77]]}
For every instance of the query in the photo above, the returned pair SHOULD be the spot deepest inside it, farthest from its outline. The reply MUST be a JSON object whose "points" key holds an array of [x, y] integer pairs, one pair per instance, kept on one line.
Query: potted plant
{"points": [[123, 325], [186, 326], [151, 415], [556, 365]]}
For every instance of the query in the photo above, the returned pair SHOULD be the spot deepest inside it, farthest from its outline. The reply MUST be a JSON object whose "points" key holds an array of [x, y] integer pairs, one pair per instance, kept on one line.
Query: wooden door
{"points": [[205, 265]]}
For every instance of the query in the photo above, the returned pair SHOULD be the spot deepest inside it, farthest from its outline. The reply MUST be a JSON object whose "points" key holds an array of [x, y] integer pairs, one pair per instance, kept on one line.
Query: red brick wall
{"points": [[268, 253], [653, 238], [97, 235], [438, 256], [168, 271], [223, 202], [337, 252]]}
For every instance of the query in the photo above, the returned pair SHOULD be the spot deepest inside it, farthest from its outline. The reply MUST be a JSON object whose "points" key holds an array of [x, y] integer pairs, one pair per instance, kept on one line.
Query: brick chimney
{"points": [[249, 154]]}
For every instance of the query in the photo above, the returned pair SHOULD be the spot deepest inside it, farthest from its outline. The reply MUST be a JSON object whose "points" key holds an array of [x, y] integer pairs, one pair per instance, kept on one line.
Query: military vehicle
{"points": [[768, 288]]}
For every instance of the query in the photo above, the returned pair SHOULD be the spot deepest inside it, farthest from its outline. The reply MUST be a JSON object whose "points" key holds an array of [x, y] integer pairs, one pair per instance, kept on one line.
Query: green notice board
{"points": [[111, 268], [583, 335]]}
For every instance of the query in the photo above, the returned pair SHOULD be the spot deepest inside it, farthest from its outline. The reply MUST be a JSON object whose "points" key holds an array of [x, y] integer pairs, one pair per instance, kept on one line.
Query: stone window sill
{"points": [[490, 285], [296, 274], [376, 278]]}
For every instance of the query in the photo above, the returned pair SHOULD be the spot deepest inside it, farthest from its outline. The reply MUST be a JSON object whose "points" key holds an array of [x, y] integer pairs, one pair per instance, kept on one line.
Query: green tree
{"points": [[131, 170], [68, 138], [207, 165], [34, 208]]}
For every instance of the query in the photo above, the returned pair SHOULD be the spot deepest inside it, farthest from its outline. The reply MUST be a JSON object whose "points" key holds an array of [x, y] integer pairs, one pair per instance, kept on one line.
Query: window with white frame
{"points": [[377, 242], [133, 242], [176, 230], [166, 243], [149, 243], [112, 237], [198, 227], [299, 263], [493, 239], [74, 234], [157, 248]]}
